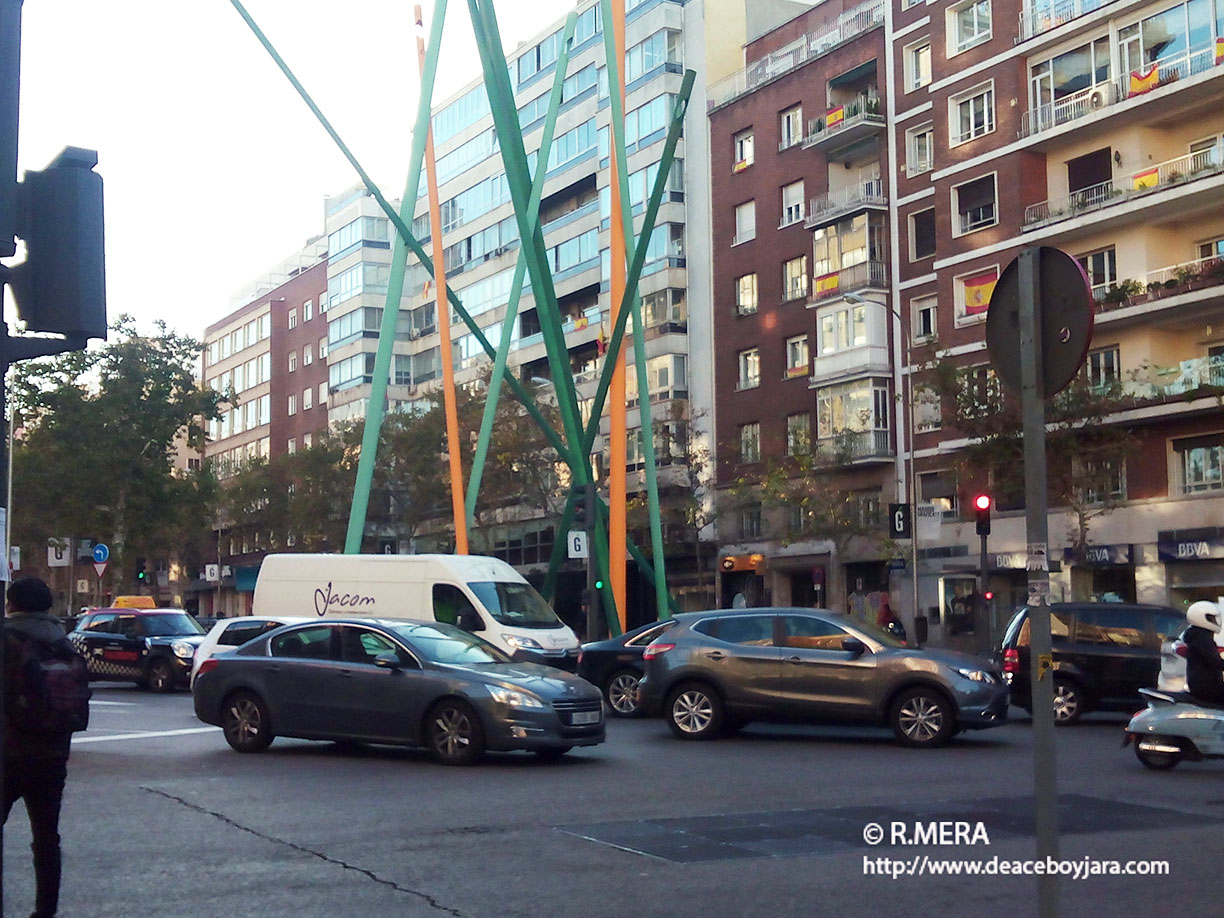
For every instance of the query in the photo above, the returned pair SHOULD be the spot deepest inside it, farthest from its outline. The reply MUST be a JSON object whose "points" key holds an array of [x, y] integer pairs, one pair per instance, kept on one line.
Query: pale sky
{"points": [[214, 168]]}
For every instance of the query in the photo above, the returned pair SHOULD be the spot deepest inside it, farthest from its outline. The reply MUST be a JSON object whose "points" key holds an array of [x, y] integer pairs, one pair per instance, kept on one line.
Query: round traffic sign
{"points": [[101, 553]]}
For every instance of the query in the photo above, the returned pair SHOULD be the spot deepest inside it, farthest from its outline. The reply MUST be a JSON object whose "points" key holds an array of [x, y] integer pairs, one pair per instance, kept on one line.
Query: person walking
{"points": [[46, 685]]}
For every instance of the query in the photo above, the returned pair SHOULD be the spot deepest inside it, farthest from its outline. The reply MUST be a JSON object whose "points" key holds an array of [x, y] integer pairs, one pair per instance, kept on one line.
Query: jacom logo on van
{"points": [[326, 599]]}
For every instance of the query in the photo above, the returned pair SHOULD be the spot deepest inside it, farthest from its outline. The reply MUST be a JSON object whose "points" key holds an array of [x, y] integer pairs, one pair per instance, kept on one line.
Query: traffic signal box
{"points": [[981, 507]]}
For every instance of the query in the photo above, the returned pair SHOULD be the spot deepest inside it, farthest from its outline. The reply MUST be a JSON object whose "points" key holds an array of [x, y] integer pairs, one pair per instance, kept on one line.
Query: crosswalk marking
{"points": [[146, 735]]}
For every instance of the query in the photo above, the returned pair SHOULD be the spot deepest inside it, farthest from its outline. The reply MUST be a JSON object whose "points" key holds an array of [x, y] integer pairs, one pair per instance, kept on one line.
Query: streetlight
{"points": [[911, 487]]}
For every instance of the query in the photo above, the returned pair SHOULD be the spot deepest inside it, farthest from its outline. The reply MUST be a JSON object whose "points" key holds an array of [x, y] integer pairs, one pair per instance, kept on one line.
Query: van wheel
{"points": [[454, 733], [922, 717], [695, 711], [1068, 702], [245, 722]]}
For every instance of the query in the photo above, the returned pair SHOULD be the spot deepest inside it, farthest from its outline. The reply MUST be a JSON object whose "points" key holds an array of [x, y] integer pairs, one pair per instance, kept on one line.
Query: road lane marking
{"points": [[149, 735], [115, 704]]}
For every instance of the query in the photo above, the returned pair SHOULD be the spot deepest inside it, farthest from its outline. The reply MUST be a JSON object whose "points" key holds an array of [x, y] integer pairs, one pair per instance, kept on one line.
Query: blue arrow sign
{"points": [[101, 553]]}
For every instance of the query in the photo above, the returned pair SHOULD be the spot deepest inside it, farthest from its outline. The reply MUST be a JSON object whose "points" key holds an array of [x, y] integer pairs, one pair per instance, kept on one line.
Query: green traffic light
{"points": [[599, 584]]}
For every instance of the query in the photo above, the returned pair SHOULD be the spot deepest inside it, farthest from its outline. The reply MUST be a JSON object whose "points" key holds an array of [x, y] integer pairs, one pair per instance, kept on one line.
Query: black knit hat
{"points": [[29, 594]]}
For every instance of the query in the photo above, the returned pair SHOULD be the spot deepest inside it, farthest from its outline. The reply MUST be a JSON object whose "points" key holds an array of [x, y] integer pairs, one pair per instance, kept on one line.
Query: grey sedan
{"points": [[724, 668], [395, 682]]}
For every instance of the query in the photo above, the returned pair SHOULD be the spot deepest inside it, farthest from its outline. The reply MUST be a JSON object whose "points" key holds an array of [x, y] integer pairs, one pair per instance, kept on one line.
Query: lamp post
{"points": [[905, 468]]}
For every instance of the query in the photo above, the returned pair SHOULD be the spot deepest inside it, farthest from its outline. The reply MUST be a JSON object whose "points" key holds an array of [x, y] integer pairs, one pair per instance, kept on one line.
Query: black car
{"points": [[151, 647], [404, 683], [1104, 652], [615, 665]]}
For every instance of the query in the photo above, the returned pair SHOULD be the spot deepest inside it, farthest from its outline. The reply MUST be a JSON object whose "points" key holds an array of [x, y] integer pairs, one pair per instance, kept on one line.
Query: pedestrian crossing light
{"points": [[981, 505]]}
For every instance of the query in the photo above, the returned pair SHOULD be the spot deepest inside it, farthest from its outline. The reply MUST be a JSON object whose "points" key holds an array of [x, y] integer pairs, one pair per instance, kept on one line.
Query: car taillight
{"points": [[654, 650], [580, 652], [206, 666], [1011, 660]]}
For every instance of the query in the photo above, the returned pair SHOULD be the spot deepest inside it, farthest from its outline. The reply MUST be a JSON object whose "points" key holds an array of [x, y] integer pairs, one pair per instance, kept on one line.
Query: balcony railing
{"points": [[1189, 168], [851, 445], [863, 109], [1185, 378], [836, 283], [847, 26], [826, 206], [1169, 281], [1040, 17]]}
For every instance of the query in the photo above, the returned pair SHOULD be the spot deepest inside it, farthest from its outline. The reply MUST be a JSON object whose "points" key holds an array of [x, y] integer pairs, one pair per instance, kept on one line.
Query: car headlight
{"points": [[974, 675], [521, 643], [183, 649], [514, 698]]}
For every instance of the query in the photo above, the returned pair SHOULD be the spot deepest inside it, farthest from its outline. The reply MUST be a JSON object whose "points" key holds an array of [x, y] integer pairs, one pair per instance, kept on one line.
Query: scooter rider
{"points": [[1204, 666]]}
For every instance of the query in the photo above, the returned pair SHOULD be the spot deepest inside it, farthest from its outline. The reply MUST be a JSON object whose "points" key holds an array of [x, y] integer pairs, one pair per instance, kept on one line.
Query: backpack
{"points": [[49, 687]]}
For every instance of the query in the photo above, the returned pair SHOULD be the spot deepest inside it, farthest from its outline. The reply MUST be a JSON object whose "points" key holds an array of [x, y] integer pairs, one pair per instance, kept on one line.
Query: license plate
{"points": [[579, 718]]}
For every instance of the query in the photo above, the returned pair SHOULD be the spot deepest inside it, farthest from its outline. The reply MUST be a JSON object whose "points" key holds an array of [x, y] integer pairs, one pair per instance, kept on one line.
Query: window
{"points": [[749, 369], [746, 294], [917, 65], [307, 355], [312, 643], [323, 348], [307, 399], [1102, 270], [292, 361], [923, 311], [292, 406], [919, 149], [979, 391], [791, 127], [973, 292], [745, 222], [750, 442], [322, 393], [750, 523], [795, 278], [291, 446], [856, 407], [792, 204], [971, 24], [306, 440], [922, 234], [755, 630], [1103, 367], [293, 318], [1201, 463], [974, 204], [308, 310], [842, 329], [972, 114], [1102, 480], [798, 434], [1115, 627], [939, 490], [797, 357], [742, 151], [1213, 249]]}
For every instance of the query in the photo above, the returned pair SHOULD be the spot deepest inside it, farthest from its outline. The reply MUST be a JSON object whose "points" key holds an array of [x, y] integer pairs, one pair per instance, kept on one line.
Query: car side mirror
{"points": [[471, 621], [388, 659], [854, 645]]}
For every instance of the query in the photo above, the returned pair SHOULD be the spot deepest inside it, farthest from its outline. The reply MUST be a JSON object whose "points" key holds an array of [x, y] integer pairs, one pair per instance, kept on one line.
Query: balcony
{"points": [[855, 277], [847, 26], [1039, 17], [1174, 280], [836, 204], [847, 123], [1189, 168], [855, 446]]}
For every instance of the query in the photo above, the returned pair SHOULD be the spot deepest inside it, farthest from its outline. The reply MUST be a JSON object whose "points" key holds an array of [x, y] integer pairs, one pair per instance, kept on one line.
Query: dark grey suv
{"points": [[721, 669]]}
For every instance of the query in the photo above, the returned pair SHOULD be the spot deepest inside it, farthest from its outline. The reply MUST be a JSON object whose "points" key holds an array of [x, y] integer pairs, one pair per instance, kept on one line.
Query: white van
{"points": [[483, 595]]}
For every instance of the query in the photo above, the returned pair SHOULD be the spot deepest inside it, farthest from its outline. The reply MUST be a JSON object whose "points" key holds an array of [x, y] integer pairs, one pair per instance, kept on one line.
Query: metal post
{"points": [[1032, 393], [981, 623], [594, 628]]}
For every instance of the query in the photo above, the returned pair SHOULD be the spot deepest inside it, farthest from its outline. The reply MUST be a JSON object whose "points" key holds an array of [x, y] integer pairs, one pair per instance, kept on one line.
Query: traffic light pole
{"points": [[982, 624]]}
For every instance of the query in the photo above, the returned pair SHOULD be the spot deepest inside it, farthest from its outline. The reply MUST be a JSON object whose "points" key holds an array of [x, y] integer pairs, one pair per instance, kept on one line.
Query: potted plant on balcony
{"points": [[1122, 291]]}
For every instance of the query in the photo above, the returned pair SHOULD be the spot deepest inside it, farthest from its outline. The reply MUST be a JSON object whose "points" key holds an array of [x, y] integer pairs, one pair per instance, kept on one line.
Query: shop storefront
{"points": [[1104, 573], [1194, 567]]}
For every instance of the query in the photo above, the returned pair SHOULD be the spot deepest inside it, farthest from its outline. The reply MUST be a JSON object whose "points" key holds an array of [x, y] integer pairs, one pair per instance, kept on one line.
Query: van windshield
{"points": [[515, 604]]}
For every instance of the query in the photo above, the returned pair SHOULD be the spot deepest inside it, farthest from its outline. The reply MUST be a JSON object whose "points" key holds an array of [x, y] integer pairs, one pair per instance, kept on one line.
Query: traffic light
{"points": [[141, 572], [599, 583], [981, 506], [580, 507]]}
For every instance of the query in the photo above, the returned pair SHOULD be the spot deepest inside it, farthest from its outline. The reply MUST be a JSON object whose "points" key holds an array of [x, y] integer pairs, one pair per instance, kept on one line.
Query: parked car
{"points": [[724, 668], [151, 647], [396, 682], [1104, 653], [228, 633], [615, 665]]}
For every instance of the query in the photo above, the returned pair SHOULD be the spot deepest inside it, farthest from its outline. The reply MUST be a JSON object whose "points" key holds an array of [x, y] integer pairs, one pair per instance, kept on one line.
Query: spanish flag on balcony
{"points": [[827, 283], [835, 116], [978, 290], [601, 343], [1148, 179], [1142, 81], [1220, 51]]}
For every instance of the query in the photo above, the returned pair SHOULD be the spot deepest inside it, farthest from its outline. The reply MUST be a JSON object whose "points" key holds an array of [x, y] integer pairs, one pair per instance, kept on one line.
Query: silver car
{"points": [[724, 668], [397, 682]]}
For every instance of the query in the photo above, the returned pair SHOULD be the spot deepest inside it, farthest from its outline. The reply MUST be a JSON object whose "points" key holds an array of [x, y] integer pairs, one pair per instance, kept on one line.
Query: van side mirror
{"points": [[854, 645], [469, 620]]}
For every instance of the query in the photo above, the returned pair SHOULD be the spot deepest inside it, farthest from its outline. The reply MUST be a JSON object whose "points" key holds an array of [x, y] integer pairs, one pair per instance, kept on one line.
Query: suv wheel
{"points": [[694, 711], [161, 676], [621, 692], [1068, 702], [245, 722], [922, 717]]}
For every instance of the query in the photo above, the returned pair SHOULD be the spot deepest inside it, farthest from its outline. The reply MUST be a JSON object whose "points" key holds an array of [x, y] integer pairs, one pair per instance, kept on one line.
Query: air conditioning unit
{"points": [[1099, 98], [414, 333]]}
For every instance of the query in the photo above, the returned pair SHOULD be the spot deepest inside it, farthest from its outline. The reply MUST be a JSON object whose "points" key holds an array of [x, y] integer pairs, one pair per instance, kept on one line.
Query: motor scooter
{"points": [[1174, 727]]}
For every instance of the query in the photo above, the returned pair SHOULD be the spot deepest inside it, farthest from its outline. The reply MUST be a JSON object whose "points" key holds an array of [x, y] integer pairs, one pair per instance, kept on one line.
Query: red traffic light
{"points": [[982, 502], [988, 595]]}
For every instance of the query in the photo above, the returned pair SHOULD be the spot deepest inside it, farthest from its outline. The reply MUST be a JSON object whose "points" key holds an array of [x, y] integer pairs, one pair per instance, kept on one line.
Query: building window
{"points": [[917, 65], [922, 234], [852, 408], [742, 151], [971, 24], [1103, 367], [939, 490], [750, 523], [322, 393], [842, 329], [293, 318], [974, 204], [1212, 249], [1102, 270], [797, 358], [972, 114], [749, 369], [292, 361], [795, 278], [798, 434], [307, 355], [308, 310], [291, 446], [323, 348], [1103, 481], [790, 127], [979, 391], [1201, 463], [750, 442], [746, 294], [923, 311], [919, 149], [292, 406], [745, 222], [792, 204], [307, 399]]}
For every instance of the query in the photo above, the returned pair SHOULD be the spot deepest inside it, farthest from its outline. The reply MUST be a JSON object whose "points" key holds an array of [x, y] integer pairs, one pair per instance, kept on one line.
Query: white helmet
{"points": [[1204, 614]]}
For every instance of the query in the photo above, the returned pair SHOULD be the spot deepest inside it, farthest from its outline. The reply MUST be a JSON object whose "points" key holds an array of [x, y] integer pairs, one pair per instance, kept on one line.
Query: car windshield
{"points": [[446, 644], [878, 634], [171, 623], [515, 604]]}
